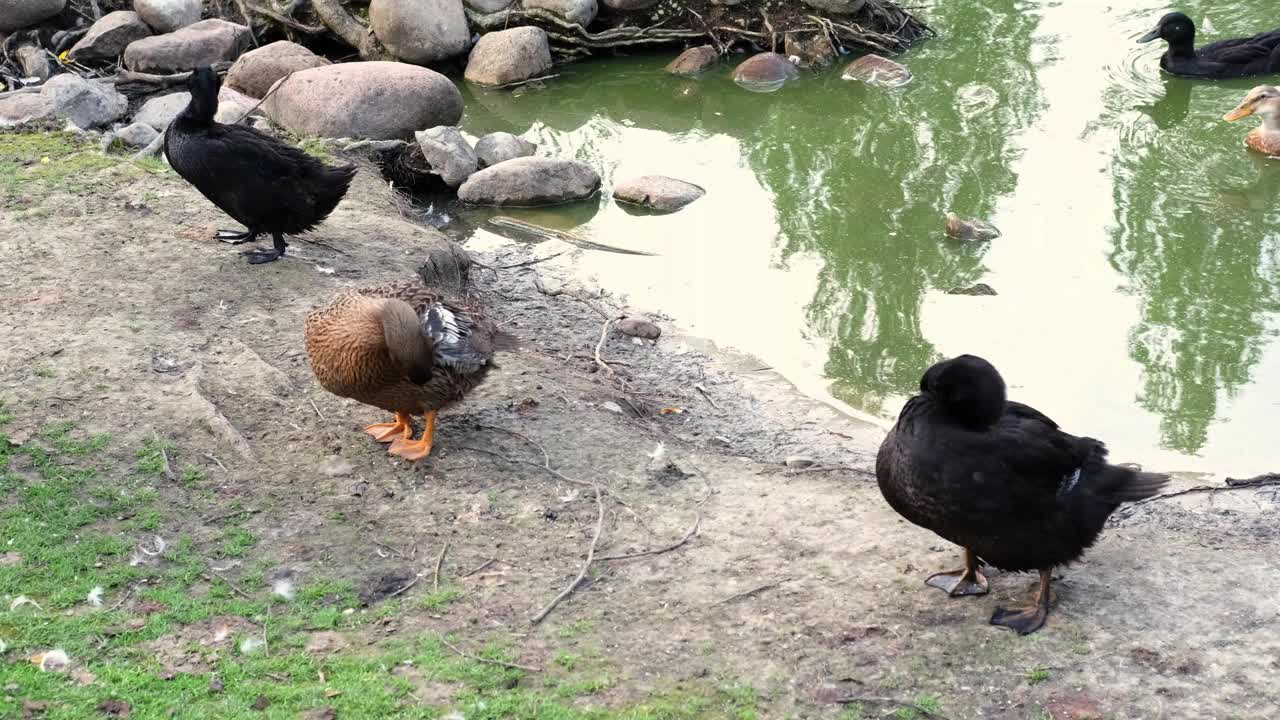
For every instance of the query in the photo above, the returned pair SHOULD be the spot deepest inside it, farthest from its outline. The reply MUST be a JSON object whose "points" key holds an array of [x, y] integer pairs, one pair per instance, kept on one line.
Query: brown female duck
{"points": [[1263, 101], [405, 348], [1000, 480]]}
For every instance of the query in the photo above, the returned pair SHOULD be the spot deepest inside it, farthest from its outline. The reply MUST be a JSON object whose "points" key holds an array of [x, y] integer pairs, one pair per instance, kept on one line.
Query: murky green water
{"points": [[1138, 274]]}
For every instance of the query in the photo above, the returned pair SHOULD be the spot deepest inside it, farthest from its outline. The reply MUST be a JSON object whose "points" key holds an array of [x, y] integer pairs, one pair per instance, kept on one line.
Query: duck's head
{"points": [[1263, 100], [969, 388], [1175, 28], [203, 84]]}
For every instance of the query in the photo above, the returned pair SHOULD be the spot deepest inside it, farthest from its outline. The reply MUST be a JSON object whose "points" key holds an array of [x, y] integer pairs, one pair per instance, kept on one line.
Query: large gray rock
{"points": [[158, 112], [575, 11], [372, 100], [87, 104], [509, 56], [257, 70], [501, 147], [530, 181], [450, 155], [34, 62], [694, 61], [204, 43], [658, 192], [233, 104], [485, 7], [165, 16], [17, 14], [137, 135], [421, 31], [24, 108], [837, 6], [109, 37], [626, 5]]}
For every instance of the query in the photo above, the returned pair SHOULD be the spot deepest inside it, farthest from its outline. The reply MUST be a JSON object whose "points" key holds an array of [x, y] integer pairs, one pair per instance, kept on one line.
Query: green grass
{"points": [[192, 474], [237, 542], [1037, 676], [439, 600], [154, 455]]}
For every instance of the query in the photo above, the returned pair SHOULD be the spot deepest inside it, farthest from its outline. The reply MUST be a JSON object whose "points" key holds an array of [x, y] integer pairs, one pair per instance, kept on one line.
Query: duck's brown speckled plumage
{"points": [[350, 357]]}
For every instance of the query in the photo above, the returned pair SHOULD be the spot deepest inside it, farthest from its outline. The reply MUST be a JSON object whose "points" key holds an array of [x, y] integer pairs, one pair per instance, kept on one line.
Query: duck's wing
{"points": [[251, 175], [1242, 51], [1029, 445]]}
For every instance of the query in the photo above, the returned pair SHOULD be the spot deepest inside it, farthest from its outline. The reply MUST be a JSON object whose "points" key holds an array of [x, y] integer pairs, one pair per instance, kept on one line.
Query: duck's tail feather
{"points": [[1115, 484]]}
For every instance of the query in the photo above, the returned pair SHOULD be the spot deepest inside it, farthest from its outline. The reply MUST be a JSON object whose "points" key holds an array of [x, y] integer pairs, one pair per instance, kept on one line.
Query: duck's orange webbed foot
{"points": [[386, 432], [965, 581], [413, 450]]}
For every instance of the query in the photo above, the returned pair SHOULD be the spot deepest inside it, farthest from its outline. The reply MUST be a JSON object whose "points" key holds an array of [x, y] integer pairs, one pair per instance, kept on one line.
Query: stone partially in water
{"points": [[968, 229], [657, 192], [450, 155], [813, 49], [530, 181], [509, 56], [979, 289], [500, 147], [694, 61], [876, 70], [765, 72], [975, 99]]}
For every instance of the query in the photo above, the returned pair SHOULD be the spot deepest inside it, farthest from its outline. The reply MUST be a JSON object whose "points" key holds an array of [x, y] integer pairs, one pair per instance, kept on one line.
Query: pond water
{"points": [[1138, 271]]}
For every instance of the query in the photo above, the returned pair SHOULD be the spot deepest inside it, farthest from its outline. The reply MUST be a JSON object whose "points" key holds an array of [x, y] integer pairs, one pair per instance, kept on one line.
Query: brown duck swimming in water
{"points": [[405, 348], [999, 479], [1263, 101]]}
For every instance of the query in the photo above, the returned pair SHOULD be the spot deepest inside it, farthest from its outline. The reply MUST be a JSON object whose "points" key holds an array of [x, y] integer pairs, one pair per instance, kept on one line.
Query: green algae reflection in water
{"points": [[1138, 268]]}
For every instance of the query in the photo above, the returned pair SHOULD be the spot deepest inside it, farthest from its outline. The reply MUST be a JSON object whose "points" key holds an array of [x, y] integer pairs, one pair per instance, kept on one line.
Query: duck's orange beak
{"points": [[1243, 110]]}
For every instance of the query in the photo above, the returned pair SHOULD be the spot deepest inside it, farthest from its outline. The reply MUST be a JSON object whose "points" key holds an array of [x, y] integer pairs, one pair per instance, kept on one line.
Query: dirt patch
{"points": [[122, 314]]}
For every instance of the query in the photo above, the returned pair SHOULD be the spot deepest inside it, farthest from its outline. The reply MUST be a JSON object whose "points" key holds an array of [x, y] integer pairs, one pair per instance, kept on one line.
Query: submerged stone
{"points": [[765, 72], [694, 61], [978, 289], [969, 229], [876, 70]]}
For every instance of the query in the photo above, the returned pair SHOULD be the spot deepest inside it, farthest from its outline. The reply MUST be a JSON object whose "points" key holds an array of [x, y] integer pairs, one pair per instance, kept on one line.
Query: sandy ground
{"points": [[119, 312]]}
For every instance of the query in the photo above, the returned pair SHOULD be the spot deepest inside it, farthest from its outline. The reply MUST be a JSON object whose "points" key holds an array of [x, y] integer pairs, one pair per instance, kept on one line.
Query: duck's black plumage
{"points": [[261, 182], [1000, 479], [1237, 57]]}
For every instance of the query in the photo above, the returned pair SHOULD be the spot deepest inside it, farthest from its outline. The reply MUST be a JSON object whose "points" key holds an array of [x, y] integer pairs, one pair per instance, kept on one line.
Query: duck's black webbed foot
{"points": [[1027, 620], [958, 583], [231, 237], [258, 257]]}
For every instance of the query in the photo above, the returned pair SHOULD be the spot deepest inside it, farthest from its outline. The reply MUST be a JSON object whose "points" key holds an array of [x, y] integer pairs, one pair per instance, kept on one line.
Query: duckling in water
{"points": [[405, 348], [1237, 57], [1263, 101], [264, 184], [999, 479]]}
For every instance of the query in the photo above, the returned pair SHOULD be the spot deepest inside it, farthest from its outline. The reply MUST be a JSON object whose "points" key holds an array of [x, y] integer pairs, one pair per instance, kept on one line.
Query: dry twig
{"points": [[435, 582], [1231, 484], [404, 589], [489, 661], [697, 522], [230, 584], [749, 593], [478, 568], [591, 553]]}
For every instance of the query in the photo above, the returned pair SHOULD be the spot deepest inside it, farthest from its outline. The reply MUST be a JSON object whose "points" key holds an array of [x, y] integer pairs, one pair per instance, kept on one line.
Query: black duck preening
{"points": [[264, 184], [999, 479], [1237, 57]]}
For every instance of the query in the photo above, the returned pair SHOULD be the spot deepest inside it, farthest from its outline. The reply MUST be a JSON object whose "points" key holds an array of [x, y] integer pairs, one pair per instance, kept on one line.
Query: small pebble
{"points": [[799, 461], [639, 327], [968, 229]]}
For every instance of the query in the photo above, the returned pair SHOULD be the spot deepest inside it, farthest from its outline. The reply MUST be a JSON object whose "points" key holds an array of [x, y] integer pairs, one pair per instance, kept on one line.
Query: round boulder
{"points": [[204, 43], [18, 14], [876, 70], [28, 107], [694, 61], [375, 100], [257, 70], [501, 147], [165, 16], [109, 37], [420, 31], [575, 11], [159, 111], [530, 181], [657, 192], [85, 103], [137, 135], [449, 153], [765, 72], [508, 56]]}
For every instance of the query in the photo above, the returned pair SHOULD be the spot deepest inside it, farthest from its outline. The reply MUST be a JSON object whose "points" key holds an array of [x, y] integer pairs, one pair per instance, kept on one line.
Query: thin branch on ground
{"points": [[435, 582], [749, 593], [392, 549], [317, 409], [697, 522], [479, 568], [164, 455], [124, 597], [225, 516], [888, 702], [490, 661], [604, 334], [405, 589], [546, 459], [828, 468], [217, 462], [1231, 484], [591, 553], [230, 584]]}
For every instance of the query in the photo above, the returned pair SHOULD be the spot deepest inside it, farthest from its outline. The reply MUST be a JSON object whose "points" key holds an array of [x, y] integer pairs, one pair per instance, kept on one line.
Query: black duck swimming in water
{"points": [[1238, 57], [999, 479], [264, 184]]}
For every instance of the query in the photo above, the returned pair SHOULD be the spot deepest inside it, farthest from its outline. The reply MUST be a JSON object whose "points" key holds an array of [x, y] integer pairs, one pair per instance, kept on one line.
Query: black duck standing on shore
{"points": [[264, 184], [1233, 58], [999, 479]]}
